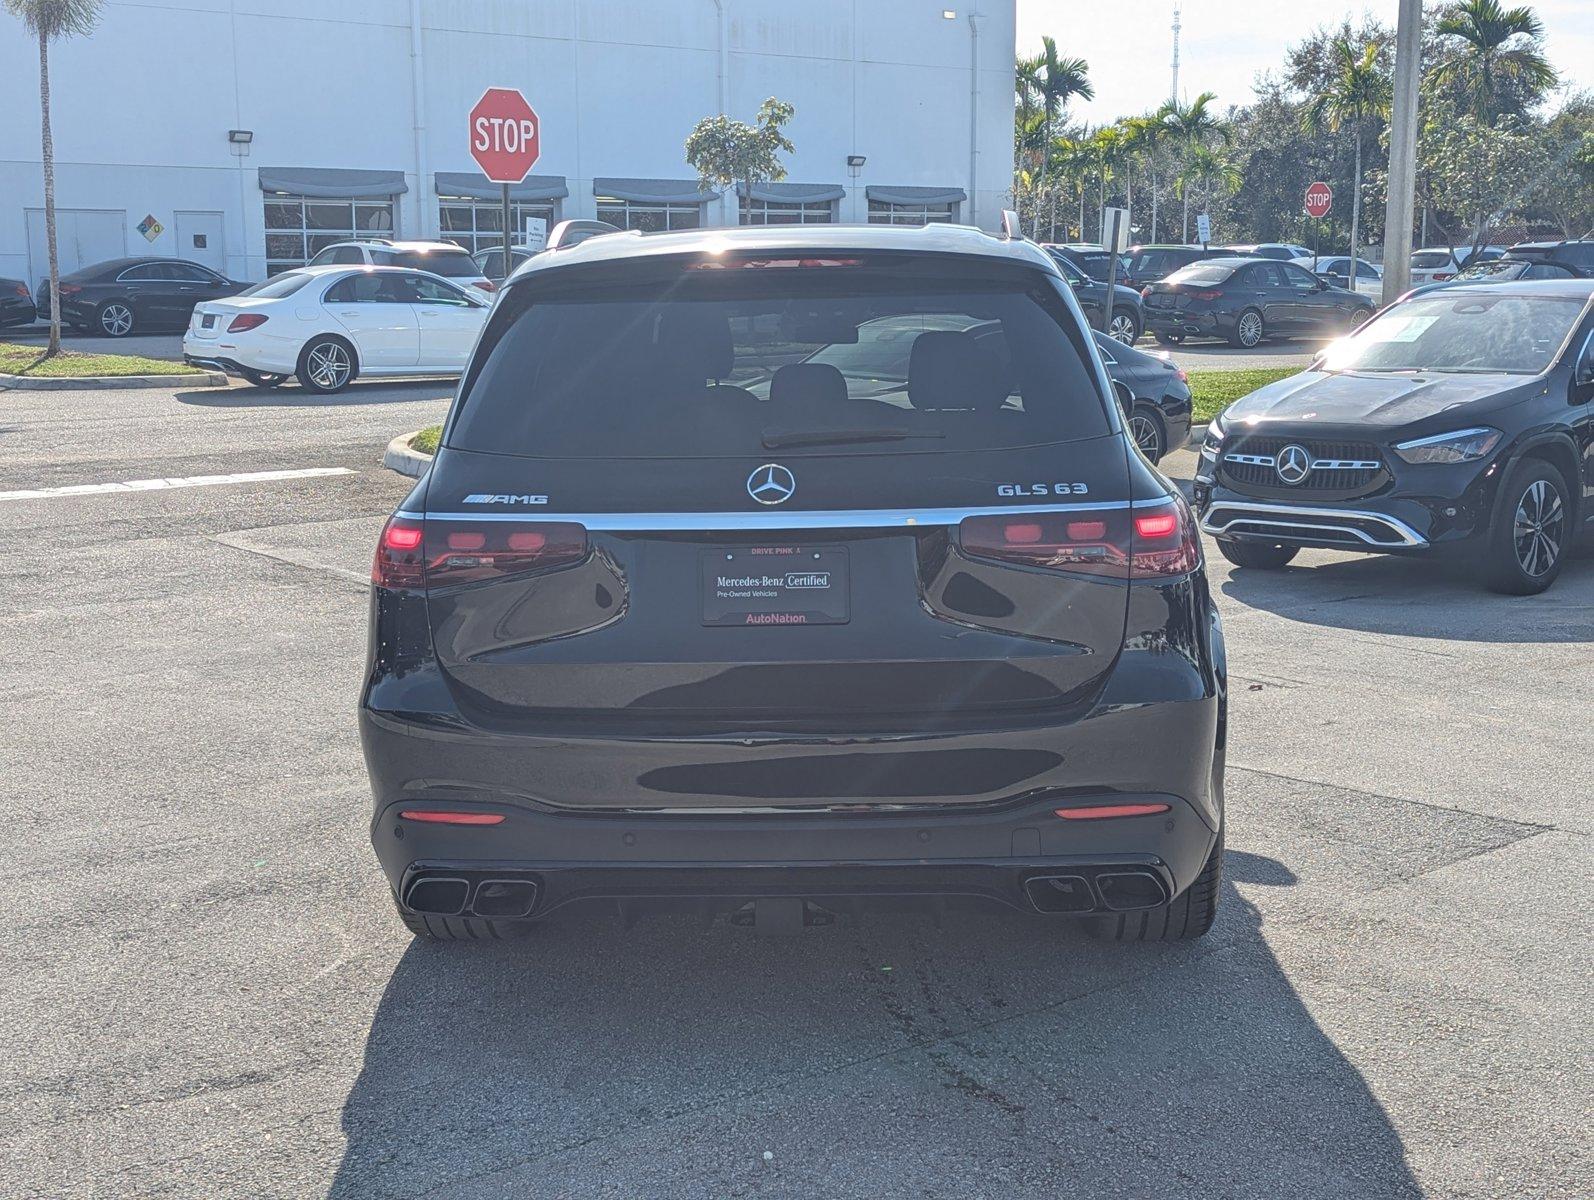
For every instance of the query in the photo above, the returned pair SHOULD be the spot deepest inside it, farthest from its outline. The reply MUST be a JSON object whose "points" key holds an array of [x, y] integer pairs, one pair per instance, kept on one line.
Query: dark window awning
{"points": [[478, 187], [654, 191], [916, 195], [332, 182], [793, 193]]}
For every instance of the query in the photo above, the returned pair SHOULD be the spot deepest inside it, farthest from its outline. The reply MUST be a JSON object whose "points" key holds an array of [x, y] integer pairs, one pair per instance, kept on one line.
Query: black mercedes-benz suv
{"points": [[748, 578], [1461, 420]]}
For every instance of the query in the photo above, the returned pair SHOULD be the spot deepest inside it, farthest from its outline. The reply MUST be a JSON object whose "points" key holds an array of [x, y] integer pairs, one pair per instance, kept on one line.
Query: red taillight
{"points": [[1099, 812], [444, 817], [771, 264], [22, 290], [486, 285], [246, 321], [417, 554], [1205, 294], [1115, 543], [1145, 292], [1441, 276], [68, 289], [1182, 374]]}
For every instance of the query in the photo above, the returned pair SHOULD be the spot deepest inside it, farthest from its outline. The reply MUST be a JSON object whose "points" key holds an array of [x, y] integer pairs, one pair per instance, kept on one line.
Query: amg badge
{"points": [[486, 498]]}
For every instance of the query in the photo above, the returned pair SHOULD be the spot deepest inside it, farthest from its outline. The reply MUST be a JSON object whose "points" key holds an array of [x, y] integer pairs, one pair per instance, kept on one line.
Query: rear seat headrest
{"points": [[948, 369], [694, 343], [808, 386]]}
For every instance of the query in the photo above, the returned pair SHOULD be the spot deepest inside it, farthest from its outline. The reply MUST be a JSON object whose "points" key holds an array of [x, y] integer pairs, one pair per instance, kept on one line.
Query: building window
{"points": [[784, 212], [479, 224], [300, 227], [883, 213], [648, 216]]}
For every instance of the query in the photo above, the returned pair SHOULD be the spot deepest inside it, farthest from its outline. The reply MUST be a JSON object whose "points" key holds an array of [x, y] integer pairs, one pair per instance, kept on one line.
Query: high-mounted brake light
{"points": [[1156, 542], [246, 321], [446, 817], [418, 554], [772, 264], [1103, 812]]}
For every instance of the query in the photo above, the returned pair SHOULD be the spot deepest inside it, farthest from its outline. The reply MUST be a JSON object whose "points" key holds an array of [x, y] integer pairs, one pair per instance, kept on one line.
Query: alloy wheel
{"points": [[1122, 329], [1250, 329], [329, 365], [1537, 528], [116, 319], [1143, 428]]}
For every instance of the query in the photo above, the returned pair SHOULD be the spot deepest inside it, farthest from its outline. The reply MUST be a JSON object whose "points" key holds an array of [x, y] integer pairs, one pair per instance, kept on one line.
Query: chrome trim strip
{"points": [[868, 518], [1317, 464], [1277, 516]]}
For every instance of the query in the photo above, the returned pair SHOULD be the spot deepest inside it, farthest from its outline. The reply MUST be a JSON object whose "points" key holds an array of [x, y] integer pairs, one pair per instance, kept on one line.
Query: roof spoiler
{"points": [[574, 232]]}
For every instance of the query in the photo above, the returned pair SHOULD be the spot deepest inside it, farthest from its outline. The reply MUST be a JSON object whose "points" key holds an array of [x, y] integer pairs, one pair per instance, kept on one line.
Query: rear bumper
{"points": [[1007, 857], [1173, 320]]}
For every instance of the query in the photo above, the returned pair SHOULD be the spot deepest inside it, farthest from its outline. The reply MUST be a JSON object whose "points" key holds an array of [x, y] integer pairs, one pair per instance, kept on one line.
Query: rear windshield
{"points": [[452, 264], [737, 362], [1201, 273], [1426, 260], [277, 286]]}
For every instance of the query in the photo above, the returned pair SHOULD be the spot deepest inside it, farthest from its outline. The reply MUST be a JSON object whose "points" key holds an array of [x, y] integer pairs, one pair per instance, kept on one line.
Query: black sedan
{"points": [[1247, 299], [1147, 264], [1154, 395], [1459, 421], [1128, 316], [16, 304], [135, 295]]}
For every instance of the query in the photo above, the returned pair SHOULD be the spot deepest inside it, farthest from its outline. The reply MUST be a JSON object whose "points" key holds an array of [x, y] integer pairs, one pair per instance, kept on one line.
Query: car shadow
{"points": [[901, 1055], [1416, 597], [290, 395]]}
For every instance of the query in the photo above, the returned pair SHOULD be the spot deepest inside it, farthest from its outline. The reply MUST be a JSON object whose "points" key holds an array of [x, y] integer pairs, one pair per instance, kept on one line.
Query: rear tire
{"points": [[1183, 919], [1145, 426], [262, 378], [1248, 330], [1123, 327], [1526, 545], [1257, 556], [461, 929], [1168, 339], [327, 364]]}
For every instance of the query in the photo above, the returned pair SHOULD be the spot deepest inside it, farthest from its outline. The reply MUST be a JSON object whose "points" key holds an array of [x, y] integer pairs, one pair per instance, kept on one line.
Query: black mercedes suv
{"points": [[748, 578], [1459, 420]]}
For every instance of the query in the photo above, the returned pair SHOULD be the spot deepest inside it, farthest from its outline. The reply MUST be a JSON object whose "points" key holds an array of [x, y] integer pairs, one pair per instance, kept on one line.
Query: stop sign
{"points": [[505, 135], [1319, 199]]}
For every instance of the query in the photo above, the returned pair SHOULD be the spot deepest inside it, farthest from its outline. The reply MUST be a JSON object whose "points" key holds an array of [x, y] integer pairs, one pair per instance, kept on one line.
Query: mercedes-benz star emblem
{"points": [[771, 484], [1293, 464]]}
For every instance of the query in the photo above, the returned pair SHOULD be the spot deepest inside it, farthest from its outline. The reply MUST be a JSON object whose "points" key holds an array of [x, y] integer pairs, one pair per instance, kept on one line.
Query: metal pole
{"points": [[1399, 208], [507, 260], [1112, 274]]}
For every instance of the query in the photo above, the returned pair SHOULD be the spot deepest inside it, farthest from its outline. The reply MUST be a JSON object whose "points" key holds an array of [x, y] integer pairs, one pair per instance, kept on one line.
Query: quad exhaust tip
{"points": [[492, 897], [1118, 890]]}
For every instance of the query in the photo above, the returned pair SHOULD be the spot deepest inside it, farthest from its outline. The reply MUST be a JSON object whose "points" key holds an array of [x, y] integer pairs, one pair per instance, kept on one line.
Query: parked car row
{"points": [[1244, 300]]}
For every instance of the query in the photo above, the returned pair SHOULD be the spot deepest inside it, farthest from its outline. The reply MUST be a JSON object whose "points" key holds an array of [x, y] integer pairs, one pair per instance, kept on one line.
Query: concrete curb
{"points": [[27, 383], [399, 457], [1197, 436]]}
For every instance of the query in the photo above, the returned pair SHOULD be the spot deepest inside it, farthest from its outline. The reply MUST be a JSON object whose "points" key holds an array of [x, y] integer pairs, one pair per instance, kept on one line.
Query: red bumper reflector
{"points": [[1100, 811], [451, 818]]}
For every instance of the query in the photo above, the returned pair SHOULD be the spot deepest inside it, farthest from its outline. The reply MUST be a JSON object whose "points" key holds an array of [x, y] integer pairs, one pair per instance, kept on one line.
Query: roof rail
{"points": [[574, 232]]}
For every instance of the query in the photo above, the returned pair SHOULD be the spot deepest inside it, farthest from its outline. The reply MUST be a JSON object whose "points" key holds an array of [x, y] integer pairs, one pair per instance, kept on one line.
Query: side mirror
{"points": [[1583, 379]]}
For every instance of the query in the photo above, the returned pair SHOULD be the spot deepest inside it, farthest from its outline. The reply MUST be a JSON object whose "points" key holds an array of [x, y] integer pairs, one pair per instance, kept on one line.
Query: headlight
{"points": [[1214, 439], [1464, 445]]}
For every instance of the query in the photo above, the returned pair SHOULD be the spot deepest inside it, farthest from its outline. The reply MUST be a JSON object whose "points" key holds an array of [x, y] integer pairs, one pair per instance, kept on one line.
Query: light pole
{"points": [[1401, 203]]}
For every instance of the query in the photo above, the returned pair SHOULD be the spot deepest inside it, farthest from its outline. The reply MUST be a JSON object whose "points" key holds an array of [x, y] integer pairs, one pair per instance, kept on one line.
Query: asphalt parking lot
{"points": [[208, 993]]}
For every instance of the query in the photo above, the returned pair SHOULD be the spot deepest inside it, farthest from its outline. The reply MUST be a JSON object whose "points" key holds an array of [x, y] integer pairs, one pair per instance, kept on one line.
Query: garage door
{"points": [[83, 236]]}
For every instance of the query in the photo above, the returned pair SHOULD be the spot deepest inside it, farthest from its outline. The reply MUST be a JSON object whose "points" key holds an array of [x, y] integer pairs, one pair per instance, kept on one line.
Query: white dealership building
{"points": [[247, 134]]}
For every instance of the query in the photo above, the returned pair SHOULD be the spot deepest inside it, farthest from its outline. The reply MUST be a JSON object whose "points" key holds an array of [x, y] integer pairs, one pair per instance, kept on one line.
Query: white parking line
{"points": [[157, 485]]}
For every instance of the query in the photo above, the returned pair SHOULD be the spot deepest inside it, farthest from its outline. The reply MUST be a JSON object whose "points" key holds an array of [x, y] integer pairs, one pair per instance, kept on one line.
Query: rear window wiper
{"points": [[837, 437]]}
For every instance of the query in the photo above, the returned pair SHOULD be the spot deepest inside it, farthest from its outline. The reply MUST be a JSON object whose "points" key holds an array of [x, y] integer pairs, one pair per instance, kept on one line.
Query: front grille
{"points": [[1340, 469]]}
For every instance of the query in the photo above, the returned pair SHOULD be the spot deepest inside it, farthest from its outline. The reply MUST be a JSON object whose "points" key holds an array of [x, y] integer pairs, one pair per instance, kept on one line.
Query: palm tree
{"points": [[1193, 125], [1047, 83], [1142, 139], [1107, 154], [1210, 173], [48, 20], [1497, 45], [1357, 96]]}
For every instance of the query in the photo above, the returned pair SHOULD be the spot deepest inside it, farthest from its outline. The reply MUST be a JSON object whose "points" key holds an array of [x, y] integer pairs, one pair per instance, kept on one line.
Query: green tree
{"points": [[1564, 189], [1046, 83], [49, 20], [1492, 52], [1356, 97], [1478, 170], [725, 152], [1192, 126], [1209, 174]]}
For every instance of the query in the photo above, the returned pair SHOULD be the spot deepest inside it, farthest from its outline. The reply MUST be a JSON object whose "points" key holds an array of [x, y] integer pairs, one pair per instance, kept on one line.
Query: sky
{"points": [[1222, 47]]}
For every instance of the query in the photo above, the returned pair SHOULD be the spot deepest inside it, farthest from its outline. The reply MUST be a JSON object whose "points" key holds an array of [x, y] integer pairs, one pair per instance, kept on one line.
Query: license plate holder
{"points": [[207, 320], [775, 585]]}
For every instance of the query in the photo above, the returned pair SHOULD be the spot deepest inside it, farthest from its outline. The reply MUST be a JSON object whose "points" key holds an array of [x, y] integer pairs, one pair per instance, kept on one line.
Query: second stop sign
{"points": [[505, 135]]}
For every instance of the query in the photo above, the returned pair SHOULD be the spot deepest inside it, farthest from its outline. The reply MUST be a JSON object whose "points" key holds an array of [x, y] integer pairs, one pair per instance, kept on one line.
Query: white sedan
{"points": [[328, 325]]}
